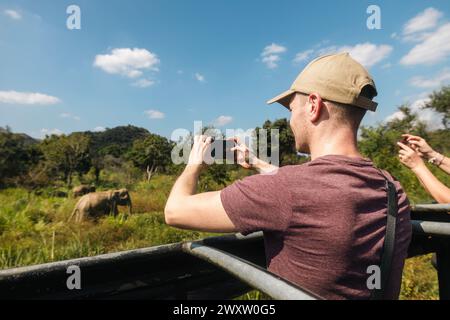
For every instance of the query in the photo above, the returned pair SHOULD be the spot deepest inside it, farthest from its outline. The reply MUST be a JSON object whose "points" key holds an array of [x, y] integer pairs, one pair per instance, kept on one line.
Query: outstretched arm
{"points": [[412, 160], [187, 210], [436, 188]]}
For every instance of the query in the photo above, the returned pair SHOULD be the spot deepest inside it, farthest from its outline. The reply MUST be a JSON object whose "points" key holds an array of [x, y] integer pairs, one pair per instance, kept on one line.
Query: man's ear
{"points": [[316, 104]]}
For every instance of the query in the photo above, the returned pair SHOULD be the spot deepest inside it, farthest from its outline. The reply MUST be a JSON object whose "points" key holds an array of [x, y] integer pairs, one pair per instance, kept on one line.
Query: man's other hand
{"points": [[248, 160]]}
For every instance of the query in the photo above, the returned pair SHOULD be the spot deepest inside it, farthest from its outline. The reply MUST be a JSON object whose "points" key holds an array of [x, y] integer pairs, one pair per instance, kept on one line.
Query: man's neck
{"points": [[339, 142]]}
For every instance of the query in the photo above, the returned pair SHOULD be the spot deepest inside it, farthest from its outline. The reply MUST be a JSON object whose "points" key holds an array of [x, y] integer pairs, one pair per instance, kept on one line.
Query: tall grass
{"points": [[34, 229]]}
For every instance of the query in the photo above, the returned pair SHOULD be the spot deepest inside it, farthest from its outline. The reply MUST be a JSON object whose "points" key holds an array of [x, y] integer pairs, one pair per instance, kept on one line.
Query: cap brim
{"points": [[283, 98]]}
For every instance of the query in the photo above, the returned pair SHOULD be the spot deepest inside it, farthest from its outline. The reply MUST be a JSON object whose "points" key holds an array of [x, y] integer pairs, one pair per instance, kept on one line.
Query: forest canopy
{"points": [[128, 154]]}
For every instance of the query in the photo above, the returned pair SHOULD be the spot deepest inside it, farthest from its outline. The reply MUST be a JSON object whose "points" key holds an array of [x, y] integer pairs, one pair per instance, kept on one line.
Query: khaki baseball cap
{"points": [[336, 77]]}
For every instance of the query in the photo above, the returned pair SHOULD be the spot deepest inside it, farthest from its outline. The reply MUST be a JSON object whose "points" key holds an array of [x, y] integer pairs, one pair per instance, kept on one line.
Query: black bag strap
{"points": [[389, 240]]}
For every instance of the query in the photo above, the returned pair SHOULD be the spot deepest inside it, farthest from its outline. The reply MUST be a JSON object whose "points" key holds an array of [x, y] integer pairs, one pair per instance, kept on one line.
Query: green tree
{"points": [[440, 102], [66, 155], [151, 153], [214, 177], [18, 153]]}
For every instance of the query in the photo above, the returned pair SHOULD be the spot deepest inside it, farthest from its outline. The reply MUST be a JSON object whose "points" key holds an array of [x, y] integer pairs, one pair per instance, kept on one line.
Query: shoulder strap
{"points": [[389, 241]]}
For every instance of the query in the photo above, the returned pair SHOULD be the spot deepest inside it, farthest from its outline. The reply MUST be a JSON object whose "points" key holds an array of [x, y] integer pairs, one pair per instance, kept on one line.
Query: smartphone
{"points": [[221, 149], [404, 141]]}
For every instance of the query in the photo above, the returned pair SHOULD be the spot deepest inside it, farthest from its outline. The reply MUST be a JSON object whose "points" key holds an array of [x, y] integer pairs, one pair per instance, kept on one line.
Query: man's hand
{"points": [[244, 156], [248, 160], [420, 145], [200, 149], [409, 157]]}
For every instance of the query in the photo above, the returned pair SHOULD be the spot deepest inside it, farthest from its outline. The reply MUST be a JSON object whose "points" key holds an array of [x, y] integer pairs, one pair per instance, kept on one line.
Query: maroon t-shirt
{"points": [[324, 223]]}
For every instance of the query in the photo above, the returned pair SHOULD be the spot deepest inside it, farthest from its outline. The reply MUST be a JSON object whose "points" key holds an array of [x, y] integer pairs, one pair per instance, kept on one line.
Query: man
{"points": [[324, 221]]}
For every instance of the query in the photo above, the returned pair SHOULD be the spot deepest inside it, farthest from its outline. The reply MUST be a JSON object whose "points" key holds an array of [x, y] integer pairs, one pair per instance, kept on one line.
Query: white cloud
{"points": [[271, 61], [398, 115], [421, 82], [222, 120], [434, 48], [416, 37], [425, 20], [273, 49], [28, 98], [154, 114], [199, 77], [304, 55], [13, 14], [368, 54], [271, 55], [50, 132], [143, 83], [127, 62], [69, 116], [99, 129], [431, 118]]}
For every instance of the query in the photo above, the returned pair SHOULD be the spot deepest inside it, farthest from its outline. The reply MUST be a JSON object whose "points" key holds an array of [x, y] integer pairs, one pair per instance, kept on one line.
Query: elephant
{"points": [[96, 204], [83, 189]]}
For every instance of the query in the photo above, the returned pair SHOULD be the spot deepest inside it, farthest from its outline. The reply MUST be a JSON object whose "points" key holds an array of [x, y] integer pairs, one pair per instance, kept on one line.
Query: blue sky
{"points": [[162, 65]]}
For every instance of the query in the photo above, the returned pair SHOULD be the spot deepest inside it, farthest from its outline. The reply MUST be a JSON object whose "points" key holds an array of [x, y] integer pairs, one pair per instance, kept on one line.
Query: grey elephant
{"points": [[83, 189], [97, 204]]}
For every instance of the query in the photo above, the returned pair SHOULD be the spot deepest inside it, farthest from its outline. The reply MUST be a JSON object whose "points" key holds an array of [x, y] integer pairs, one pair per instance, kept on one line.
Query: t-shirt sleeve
{"points": [[258, 203]]}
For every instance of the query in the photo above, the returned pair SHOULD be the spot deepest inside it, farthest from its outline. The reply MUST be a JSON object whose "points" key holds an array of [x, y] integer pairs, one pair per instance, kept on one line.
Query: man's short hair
{"points": [[349, 114]]}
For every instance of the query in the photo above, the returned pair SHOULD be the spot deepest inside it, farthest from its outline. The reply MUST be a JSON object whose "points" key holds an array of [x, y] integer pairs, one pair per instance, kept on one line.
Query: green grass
{"points": [[419, 279], [34, 230]]}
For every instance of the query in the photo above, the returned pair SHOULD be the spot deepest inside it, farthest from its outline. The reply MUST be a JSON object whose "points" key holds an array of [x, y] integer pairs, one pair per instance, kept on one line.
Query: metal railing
{"points": [[221, 267], [431, 234], [249, 273]]}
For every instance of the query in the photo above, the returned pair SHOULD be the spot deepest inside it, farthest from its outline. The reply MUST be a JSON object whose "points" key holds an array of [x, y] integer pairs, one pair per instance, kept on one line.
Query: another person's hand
{"points": [[419, 145], [409, 157]]}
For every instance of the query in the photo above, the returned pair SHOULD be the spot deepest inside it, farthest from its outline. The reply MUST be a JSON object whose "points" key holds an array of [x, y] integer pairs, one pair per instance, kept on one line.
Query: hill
{"points": [[116, 141]]}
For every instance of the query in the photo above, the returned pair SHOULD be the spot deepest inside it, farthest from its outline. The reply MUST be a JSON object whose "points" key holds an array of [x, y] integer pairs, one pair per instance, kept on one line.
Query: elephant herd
{"points": [[96, 204]]}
